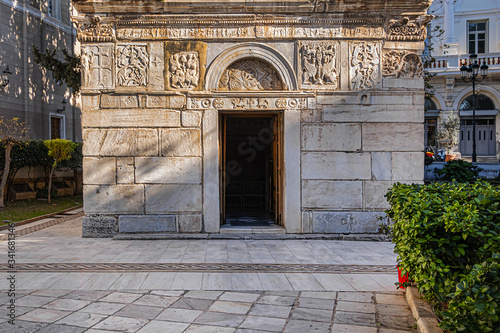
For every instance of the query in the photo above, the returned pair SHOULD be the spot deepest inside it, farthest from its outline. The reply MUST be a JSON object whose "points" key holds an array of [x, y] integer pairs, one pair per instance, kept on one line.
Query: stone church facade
{"points": [[306, 110]]}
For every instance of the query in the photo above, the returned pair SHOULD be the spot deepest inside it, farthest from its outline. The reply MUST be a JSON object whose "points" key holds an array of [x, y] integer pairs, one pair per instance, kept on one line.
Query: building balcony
{"points": [[449, 65]]}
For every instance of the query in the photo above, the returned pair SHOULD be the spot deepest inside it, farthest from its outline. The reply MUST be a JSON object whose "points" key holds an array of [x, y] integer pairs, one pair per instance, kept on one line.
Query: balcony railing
{"points": [[454, 62]]}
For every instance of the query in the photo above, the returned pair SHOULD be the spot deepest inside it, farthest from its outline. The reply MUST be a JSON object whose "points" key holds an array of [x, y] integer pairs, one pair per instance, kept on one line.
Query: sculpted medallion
{"points": [[250, 75], [184, 70], [132, 63], [318, 64], [402, 64], [365, 65]]}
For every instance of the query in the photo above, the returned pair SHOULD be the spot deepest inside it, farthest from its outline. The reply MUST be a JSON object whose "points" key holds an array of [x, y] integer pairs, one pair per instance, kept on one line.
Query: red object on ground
{"points": [[402, 278]]}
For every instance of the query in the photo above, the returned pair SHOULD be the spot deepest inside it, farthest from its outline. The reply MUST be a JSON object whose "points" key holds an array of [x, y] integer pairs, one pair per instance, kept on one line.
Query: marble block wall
{"points": [[156, 76]]}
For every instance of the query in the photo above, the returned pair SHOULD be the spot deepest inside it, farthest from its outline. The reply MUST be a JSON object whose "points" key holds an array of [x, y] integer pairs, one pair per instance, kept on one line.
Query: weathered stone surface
{"points": [[90, 102], [404, 137], [99, 171], [404, 83], [156, 67], [336, 165], [331, 194], [173, 198], [346, 222], [168, 170], [331, 137], [125, 170], [373, 114], [373, 194], [107, 199], [180, 142], [190, 223], [146, 223], [407, 166], [120, 142], [191, 118], [99, 226], [126, 117], [381, 166]]}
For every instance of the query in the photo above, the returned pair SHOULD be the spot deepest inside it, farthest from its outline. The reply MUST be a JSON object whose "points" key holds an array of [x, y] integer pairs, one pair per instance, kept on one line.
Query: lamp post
{"points": [[470, 74]]}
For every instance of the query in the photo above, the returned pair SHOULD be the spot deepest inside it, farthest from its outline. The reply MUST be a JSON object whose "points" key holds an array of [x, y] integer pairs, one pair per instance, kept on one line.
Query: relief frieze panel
{"points": [[247, 103], [184, 70], [96, 31], [364, 60], [402, 64], [318, 64], [406, 30], [250, 75], [97, 66], [132, 65]]}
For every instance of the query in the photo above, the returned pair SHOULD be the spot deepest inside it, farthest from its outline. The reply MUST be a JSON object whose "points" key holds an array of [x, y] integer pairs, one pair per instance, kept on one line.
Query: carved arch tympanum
{"points": [[249, 75]]}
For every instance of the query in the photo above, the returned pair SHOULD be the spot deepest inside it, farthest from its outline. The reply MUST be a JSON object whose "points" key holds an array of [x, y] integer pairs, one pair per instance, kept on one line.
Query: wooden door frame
{"points": [[222, 121]]}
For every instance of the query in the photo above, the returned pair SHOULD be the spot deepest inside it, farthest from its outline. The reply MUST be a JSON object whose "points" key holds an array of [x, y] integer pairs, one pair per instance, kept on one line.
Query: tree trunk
{"points": [[49, 189], [6, 169]]}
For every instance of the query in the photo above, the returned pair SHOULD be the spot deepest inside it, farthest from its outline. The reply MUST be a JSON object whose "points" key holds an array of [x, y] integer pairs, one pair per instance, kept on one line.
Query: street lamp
{"points": [[469, 74]]}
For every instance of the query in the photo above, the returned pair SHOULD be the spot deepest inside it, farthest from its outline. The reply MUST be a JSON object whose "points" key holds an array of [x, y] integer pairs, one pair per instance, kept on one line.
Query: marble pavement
{"points": [[65, 283]]}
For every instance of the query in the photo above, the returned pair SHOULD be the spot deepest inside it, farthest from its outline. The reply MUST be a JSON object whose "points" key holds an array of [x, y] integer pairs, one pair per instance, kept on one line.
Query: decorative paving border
{"points": [[201, 267]]}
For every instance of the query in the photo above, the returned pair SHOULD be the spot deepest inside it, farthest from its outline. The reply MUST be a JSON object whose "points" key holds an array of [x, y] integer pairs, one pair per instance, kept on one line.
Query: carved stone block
{"points": [[180, 142], [402, 64], [365, 62], [125, 168], [146, 223], [99, 170], [156, 67], [336, 165], [97, 66], [404, 137], [250, 75], [346, 222], [113, 199], [331, 137], [120, 142], [332, 194], [319, 64], [190, 223], [184, 71], [132, 65], [99, 227], [161, 199], [168, 170]]}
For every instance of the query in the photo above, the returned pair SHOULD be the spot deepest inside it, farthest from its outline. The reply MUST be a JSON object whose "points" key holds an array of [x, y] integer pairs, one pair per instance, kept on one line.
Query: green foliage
{"points": [[441, 231], [460, 171], [75, 161], [67, 71], [60, 149], [475, 305], [44, 193], [12, 130]]}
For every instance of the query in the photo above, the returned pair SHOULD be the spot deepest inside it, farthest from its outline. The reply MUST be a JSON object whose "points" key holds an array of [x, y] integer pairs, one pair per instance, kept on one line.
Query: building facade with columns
{"points": [[32, 95], [214, 117], [470, 26]]}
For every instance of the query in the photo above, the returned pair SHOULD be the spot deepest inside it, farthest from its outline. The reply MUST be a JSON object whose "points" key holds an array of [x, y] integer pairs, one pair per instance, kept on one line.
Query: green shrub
{"points": [[474, 307], [441, 231], [459, 170]]}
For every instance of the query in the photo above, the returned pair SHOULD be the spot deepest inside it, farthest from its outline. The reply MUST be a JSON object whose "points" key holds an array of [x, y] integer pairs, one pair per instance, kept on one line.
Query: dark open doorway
{"points": [[251, 169]]}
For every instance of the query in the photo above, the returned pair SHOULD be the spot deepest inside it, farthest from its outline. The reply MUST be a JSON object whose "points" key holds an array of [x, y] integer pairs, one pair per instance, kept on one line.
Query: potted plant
{"points": [[447, 133]]}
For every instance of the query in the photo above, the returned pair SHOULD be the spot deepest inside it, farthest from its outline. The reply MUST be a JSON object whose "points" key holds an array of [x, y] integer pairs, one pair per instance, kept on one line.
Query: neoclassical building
{"points": [[470, 26], [233, 116]]}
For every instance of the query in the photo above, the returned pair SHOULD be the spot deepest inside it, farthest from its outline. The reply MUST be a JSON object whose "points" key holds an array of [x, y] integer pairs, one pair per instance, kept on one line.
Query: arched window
{"points": [[430, 105], [482, 103]]}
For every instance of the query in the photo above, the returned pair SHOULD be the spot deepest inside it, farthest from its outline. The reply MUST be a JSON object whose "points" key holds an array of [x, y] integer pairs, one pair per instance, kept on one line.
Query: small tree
{"points": [[448, 131], [59, 150], [12, 131]]}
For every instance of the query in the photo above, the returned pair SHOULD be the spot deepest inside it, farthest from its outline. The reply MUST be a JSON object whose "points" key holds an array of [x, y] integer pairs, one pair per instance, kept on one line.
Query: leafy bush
{"points": [[441, 231], [474, 307], [459, 170]]}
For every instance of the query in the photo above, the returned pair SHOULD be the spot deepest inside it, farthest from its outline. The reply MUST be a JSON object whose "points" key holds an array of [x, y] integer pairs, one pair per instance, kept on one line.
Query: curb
{"points": [[41, 217], [256, 236], [43, 225], [422, 312]]}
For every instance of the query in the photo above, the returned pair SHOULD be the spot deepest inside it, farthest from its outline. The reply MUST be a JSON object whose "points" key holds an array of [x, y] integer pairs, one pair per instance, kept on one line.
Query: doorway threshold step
{"points": [[236, 229], [251, 236]]}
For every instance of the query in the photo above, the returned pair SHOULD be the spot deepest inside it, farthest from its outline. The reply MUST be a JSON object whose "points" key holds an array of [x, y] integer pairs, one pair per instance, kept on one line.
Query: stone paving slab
{"points": [[252, 314]]}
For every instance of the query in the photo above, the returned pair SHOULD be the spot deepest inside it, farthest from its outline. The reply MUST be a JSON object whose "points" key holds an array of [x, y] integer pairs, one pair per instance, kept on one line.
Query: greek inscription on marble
{"points": [[250, 75], [184, 70], [95, 31], [406, 29], [319, 63], [402, 64], [132, 65], [365, 65], [250, 103], [168, 33], [97, 61]]}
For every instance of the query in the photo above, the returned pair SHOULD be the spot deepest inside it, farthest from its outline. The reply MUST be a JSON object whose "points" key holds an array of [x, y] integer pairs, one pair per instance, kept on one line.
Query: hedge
{"points": [[447, 237]]}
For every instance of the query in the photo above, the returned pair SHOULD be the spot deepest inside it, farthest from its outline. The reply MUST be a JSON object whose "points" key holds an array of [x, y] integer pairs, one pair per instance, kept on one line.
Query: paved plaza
{"points": [[65, 283]]}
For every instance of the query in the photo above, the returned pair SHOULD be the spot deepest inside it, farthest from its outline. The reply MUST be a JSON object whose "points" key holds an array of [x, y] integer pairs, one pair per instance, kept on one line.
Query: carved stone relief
{"points": [[250, 75], [184, 70], [402, 64], [319, 64], [406, 29], [132, 64], [97, 66], [247, 103], [365, 65], [96, 31]]}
